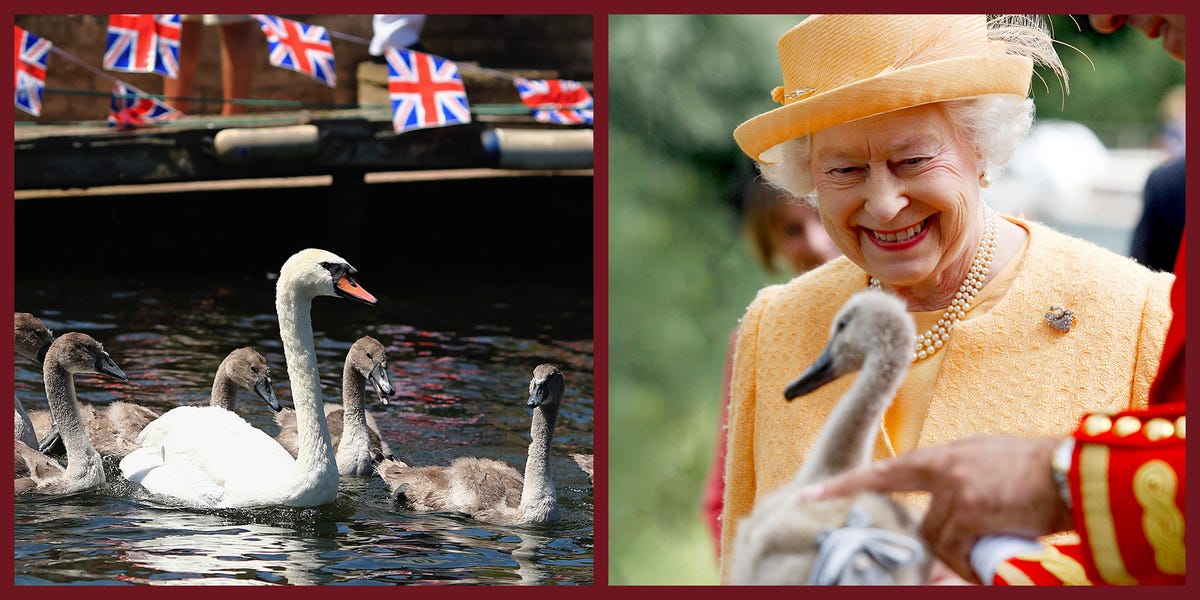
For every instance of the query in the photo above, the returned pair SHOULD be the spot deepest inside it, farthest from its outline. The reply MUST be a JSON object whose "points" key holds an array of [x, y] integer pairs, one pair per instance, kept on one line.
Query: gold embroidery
{"points": [[1097, 515], [1065, 568], [1155, 485]]}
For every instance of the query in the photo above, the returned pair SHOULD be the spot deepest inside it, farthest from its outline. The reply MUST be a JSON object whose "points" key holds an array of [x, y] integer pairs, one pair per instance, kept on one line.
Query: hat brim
{"points": [[948, 79]]}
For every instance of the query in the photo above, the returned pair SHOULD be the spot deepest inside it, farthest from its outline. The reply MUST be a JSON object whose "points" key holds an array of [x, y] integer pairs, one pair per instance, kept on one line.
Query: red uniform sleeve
{"points": [[1128, 490], [1168, 384], [1128, 487]]}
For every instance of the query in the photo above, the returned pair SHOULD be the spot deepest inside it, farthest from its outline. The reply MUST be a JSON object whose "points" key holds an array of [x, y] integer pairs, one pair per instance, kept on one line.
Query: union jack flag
{"points": [[131, 108], [300, 47], [426, 91], [167, 61], [143, 44], [556, 101], [30, 70]]}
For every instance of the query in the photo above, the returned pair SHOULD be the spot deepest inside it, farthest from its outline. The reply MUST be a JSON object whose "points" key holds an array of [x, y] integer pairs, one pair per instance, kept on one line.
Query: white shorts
{"points": [[218, 19]]}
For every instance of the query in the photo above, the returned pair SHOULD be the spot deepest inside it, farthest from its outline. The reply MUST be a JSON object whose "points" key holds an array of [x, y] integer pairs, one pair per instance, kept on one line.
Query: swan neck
{"points": [[224, 391], [538, 482], [848, 437], [64, 407], [354, 445], [314, 450], [353, 386]]}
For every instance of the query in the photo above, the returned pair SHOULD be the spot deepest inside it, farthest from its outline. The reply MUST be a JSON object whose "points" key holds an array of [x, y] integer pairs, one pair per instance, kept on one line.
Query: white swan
{"points": [[862, 539], [31, 339], [114, 429], [352, 430], [485, 489], [70, 354], [221, 461]]}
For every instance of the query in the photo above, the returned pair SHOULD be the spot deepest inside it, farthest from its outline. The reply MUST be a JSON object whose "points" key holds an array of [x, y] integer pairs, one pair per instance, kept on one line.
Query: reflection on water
{"points": [[460, 360]]}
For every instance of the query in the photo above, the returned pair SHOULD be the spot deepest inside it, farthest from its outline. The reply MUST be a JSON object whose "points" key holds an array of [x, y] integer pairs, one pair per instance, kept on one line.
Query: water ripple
{"points": [[461, 366]]}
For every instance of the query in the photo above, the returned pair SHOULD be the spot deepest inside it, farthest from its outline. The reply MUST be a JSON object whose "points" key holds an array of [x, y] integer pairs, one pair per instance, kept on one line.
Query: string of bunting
{"points": [[425, 90]]}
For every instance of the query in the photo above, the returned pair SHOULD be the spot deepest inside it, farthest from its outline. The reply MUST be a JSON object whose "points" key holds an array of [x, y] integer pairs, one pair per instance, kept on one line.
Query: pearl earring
{"points": [[984, 180]]}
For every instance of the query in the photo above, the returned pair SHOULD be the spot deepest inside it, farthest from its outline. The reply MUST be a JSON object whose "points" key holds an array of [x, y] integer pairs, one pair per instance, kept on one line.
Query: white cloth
{"points": [[394, 31], [858, 554], [989, 552]]}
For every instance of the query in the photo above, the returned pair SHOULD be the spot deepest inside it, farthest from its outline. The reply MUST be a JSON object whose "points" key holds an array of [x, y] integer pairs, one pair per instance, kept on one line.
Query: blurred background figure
{"points": [[1173, 112], [240, 36], [395, 31], [1160, 227], [784, 232], [1058, 160], [785, 235]]}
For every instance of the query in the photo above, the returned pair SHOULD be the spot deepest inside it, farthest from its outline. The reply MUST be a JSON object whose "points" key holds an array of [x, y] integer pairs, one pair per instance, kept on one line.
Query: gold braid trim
{"points": [[1012, 574], [1097, 515], [1065, 568], [1154, 486]]}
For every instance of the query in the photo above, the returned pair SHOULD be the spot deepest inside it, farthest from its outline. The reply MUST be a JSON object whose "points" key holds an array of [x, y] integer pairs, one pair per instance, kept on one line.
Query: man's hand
{"points": [[979, 486]]}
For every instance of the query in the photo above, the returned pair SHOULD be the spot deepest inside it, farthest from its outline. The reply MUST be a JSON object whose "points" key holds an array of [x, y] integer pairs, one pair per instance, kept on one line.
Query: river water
{"points": [[460, 357]]}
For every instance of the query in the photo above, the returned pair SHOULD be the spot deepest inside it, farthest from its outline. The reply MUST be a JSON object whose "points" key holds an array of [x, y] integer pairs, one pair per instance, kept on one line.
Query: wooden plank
{"points": [[352, 143]]}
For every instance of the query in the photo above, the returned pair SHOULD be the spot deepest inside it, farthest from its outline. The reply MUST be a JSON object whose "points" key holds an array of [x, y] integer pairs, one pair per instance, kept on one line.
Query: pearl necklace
{"points": [[927, 344]]}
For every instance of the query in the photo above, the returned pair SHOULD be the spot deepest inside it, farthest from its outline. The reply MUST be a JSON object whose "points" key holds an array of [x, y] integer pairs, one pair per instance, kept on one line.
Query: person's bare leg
{"points": [[176, 91], [239, 44]]}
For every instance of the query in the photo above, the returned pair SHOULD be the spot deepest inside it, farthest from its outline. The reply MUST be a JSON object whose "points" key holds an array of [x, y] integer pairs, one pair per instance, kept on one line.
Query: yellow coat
{"points": [[1006, 371]]}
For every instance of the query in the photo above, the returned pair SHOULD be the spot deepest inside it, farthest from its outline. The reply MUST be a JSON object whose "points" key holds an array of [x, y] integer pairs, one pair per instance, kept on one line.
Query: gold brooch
{"points": [[1060, 318]]}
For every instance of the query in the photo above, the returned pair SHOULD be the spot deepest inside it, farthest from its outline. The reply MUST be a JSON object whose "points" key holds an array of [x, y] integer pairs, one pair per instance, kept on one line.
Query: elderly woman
{"points": [[890, 125]]}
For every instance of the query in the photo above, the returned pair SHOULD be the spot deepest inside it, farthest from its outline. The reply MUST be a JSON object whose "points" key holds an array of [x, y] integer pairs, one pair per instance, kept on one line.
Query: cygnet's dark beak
{"points": [[539, 395], [383, 385], [106, 366], [816, 375], [266, 391]]}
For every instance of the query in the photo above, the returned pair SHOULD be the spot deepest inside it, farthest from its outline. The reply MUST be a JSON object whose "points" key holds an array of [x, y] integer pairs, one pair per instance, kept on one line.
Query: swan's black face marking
{"points": [[336, 270], [345, 285]]}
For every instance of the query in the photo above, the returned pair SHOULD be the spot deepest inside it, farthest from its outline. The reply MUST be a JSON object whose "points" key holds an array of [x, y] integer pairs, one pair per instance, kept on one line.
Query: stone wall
{"points": [[550, 45]]}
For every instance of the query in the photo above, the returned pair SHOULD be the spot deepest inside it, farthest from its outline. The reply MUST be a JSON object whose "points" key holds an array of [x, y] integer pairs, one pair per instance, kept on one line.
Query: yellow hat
{"points": [[837, 68]]}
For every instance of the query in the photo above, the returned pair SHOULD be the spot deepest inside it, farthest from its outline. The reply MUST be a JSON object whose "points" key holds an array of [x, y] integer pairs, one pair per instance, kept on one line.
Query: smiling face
{"points": [[899, 195]]}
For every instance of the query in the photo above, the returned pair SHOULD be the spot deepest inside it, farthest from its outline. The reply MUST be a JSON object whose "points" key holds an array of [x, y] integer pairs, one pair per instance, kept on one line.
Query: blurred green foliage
{"points": [[680, 275]]}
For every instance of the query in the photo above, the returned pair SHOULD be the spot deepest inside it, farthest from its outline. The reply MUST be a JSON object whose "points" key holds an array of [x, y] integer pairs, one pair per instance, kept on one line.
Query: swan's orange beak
{"points": [[348, 287]]}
